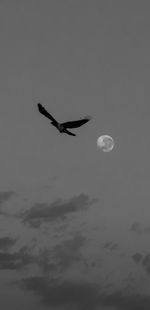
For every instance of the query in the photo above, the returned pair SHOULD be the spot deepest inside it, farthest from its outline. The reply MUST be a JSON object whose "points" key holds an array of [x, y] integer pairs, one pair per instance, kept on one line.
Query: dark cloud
{"points": [[110, 246], [61, 256], [146, 263], [144, 260], [137, 257], [120, 301], [15, 260], [136, 227], [4, 196], [82, 296], [56, 211], [56, 259], [66, 295], [6, 243], [69, 252], [44, 261]]}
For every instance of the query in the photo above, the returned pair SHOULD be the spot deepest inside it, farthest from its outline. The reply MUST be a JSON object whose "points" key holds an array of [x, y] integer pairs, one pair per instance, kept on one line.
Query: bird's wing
{"points": [[43, 111], [75, 124], [69, 133]]}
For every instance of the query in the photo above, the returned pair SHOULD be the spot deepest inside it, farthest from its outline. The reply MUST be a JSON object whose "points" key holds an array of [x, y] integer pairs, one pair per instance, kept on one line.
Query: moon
{"points": [[105, 143]]}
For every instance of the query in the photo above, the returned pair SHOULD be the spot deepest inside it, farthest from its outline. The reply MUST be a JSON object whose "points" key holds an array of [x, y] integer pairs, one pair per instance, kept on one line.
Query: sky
{"points": [[74, 221]]}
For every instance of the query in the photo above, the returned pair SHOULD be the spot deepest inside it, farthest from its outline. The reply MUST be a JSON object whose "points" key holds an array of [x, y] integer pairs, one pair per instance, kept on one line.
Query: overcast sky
{"points": [[74, 221]]}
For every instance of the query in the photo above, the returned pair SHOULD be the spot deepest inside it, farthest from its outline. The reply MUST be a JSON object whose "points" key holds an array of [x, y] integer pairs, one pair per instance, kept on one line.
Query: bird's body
{"points": [[62, 127]]}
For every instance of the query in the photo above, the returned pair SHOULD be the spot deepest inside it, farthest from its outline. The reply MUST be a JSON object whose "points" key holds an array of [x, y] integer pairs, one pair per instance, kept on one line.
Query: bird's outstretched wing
{"points": [[69, 133], [75, 124], [43, 111]]}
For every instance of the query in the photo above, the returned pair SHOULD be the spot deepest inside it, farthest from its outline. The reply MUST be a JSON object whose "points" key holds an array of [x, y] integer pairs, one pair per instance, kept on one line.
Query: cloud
{"points": [[110, 246], [65, 295], [44, 212], [6, 243], [17, 260], [137, 257], [76, 295], [146, 263], [52, 260], [4, 196], [45, 263], [120, 301], [61, 256], [137, 228], [69, 252], [144, 260]]}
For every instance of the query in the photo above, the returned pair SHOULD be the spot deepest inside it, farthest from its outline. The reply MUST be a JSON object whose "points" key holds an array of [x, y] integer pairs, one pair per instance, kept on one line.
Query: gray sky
{"points": [[74, 222]]}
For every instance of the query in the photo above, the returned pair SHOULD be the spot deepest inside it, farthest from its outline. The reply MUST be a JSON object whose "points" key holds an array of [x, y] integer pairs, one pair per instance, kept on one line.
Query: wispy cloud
{"points": [[15, 261], [51, 259], [57, 210]]}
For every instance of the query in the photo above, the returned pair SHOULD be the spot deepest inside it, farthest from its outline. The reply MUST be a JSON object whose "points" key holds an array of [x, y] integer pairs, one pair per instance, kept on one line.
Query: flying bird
{"points": [[62, 127]]}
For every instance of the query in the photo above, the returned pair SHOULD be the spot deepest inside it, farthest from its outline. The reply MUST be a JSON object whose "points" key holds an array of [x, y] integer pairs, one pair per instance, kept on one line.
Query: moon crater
{"points": [[105, 143]]}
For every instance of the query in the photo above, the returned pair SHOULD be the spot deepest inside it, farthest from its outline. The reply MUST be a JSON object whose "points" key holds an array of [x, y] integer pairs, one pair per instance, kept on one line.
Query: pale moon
{"points": [[105, 143]]}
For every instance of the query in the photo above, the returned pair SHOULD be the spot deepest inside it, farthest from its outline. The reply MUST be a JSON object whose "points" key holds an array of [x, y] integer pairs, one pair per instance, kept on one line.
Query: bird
{"points": [[62, 127]]}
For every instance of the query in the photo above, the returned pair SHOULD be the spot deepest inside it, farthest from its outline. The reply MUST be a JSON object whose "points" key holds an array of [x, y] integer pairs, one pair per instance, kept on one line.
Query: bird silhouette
{"points": [[62, 127]]}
